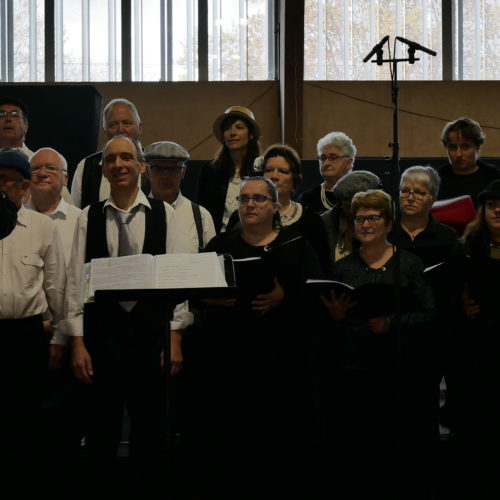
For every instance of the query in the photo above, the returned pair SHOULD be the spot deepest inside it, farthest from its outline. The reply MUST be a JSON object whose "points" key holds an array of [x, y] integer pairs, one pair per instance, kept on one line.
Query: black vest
{"points": [[91, 180], [154, 237]]}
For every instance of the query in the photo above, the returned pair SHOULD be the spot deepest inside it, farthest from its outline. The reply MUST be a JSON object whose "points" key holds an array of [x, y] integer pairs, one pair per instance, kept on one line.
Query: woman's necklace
{"points": [[324, 199], [288, 219]]}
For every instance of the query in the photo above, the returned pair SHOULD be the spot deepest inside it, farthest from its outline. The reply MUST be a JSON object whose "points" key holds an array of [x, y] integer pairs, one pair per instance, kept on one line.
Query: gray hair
{"points": [[114, 102], [339, 140], [138, 150], [422, 175], [354, 182], [61, 158]]}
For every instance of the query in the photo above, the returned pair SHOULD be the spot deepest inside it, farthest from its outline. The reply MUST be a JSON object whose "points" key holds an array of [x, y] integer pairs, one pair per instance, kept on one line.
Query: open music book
{"points": [[372, 299], [144, 271]]}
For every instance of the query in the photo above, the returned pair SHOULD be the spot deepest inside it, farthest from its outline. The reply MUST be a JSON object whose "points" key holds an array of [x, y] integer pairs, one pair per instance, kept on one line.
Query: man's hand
{"points": [[57, 353], [176, 357], [81, 363]]}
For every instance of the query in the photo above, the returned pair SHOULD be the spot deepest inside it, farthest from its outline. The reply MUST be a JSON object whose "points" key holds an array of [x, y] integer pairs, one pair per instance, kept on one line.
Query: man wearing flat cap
{"points": [[166, 163], [32, 281]]}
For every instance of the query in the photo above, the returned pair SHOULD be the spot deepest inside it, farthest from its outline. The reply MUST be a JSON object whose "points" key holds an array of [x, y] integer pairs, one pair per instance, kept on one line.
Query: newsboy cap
{"points": [[165, 150], [15, 161]]}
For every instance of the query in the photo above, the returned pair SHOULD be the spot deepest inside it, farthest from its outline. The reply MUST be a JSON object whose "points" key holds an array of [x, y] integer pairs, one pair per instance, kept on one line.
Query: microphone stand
{"points": [[395, 175]]}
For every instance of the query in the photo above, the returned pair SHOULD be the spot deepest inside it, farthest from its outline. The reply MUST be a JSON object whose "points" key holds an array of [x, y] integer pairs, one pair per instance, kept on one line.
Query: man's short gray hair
{"points": [[339, 140], [114, 102], [138, 150], [61, 158]]}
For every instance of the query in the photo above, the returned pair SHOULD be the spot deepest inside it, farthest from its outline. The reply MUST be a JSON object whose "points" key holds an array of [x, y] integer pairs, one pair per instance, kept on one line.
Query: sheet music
{"points": [[116, 273], [182, 270]]}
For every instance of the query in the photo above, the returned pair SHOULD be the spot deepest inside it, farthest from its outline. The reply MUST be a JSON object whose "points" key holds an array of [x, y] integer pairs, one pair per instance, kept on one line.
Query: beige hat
{"points": [[240, 112]]}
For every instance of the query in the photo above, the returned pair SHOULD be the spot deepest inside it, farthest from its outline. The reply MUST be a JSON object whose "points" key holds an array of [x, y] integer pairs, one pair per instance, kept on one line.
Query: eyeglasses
{"points": [[331, 158], [243, 199], [371, 219], [170, 169], [50, 169], [417, 194], [492, 204], [11, 114]]}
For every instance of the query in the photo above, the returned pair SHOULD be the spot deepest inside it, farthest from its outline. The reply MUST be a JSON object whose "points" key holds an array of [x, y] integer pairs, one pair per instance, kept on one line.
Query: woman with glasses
{"points": [[281, 164], [420, 233], [336, 154], [259, 345], [475, 426], [238, 132], [376, 387]]}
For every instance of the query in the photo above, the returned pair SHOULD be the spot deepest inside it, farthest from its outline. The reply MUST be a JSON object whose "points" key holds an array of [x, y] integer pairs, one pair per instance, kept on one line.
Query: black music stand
{"points": [[169, 298]]}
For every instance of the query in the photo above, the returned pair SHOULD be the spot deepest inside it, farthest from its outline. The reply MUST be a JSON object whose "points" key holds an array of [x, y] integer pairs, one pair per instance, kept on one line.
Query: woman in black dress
{"points": [[377, 383], [220, 179], [281, 164], [259, 351], [476, 396]]}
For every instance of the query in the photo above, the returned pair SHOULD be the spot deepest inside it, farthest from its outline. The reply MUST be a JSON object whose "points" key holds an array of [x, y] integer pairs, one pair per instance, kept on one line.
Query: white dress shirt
{"points": [[187, 233], [32, 273], [65, 217], [137, 226]]}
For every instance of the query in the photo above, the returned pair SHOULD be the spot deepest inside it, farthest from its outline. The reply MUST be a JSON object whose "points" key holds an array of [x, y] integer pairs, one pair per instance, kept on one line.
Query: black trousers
{"points": [[125, 349], [23, 372]]}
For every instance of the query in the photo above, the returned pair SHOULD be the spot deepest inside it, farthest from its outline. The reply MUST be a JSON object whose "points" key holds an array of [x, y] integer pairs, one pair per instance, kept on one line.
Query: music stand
{"points": [[169, 298]]}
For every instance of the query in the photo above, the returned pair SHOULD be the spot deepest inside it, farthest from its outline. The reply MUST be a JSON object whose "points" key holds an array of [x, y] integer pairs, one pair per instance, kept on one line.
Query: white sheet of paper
{"points": [[183, 270], [116, 273]]}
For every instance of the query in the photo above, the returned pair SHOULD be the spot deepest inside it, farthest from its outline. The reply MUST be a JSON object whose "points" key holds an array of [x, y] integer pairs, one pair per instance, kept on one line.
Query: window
{"points": [[338, 34], [164, 40], [477, 30]]}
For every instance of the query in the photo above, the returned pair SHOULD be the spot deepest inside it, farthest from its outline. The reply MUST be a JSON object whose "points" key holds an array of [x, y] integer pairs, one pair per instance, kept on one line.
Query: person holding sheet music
{"points": [[476, 396], [258, 345], [116, 346], [376, 382], [281, 164], [434, 243]]}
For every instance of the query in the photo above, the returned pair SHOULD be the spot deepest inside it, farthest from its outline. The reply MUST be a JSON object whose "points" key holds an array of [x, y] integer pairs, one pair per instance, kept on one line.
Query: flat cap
{"points": [[15, 161], [355, 182], [165, 150]]}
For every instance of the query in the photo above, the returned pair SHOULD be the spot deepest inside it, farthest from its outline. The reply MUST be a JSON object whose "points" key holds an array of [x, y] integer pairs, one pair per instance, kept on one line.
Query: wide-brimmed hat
{"points": [[492, 192], [15, 161], [165, 150], [240, 112]]}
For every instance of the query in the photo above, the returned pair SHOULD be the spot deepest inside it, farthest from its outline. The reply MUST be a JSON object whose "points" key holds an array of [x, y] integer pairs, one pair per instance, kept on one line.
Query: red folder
{"points": [[456, 212]]}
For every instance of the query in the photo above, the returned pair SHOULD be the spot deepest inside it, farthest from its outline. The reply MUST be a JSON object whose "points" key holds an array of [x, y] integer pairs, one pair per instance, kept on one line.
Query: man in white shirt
{"points": [[32, 281], [166, 164], [116, 347], [49, 174], [120, 117]]}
